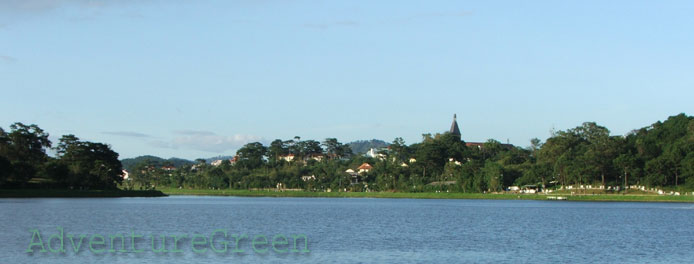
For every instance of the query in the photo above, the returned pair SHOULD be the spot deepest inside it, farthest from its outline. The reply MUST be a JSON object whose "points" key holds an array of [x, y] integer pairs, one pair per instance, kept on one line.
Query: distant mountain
{"points": [[362, 146], [130, 163]]}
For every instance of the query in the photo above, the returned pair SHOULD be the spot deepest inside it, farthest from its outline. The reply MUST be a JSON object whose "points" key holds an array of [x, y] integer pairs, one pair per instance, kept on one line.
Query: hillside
{"points": [[128, 164], [362, 146]]}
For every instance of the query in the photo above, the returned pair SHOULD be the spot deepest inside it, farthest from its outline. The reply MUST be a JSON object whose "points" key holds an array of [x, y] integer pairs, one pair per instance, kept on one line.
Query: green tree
{"points": [[25, 147], [251, 155], [688, 170], [5, 169], [310, 147], [91, 165], [493, 174], [216, 178], [56, 170], [335, 149], [628, 164], [277, 149], [143, 174], [535, 145], [400, 150]]}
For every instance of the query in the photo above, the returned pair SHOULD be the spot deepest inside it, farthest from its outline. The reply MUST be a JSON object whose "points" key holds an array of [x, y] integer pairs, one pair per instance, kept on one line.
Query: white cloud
{"points": [[205, 141]]}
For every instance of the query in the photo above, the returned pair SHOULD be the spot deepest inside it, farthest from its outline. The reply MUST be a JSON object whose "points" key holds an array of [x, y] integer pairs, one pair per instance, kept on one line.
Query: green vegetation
{"points": [[362, 146], [428, 195], [80, 169], [421, 195], [657, 158], [129, 164]]}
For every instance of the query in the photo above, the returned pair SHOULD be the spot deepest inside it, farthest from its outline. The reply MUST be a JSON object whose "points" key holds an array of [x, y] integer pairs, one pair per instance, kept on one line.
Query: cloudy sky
{"points": [[201, 78]]}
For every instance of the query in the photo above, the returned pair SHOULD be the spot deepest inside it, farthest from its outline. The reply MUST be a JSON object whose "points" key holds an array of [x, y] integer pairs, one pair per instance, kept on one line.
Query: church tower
{"points": [[454, 128]]}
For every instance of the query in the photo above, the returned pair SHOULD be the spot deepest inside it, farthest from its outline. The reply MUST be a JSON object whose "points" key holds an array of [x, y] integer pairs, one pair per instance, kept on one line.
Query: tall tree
{"points": [[310, 148], [399, 149], [251, 155], [333, 148], [627, 163], [91, 165], [277, 149], [493, 175], [25, 147]]}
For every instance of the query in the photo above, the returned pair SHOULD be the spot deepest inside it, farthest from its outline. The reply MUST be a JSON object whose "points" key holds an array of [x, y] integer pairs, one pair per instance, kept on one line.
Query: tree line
{"points": [[77, 164], [660, 155]]}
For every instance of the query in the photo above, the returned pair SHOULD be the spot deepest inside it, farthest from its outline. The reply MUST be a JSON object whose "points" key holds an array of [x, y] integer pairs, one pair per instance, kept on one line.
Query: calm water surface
{"points": [[344, 230]]}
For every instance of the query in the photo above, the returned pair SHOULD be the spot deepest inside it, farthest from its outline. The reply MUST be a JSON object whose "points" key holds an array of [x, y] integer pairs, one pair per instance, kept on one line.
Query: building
{"points": [[376, 153], [316, 157], [454, 128], [287, 158], [354, 177], [365, 167], [218, 162], [455, 131], [125, 174]]}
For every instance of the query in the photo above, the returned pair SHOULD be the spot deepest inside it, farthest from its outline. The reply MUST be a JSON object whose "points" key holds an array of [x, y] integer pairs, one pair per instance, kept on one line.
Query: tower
{"points": [[454, 128]]}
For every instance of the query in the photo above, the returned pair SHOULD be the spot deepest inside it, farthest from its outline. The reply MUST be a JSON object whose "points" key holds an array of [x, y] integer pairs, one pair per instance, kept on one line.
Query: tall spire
{"points": [[454, 127]]}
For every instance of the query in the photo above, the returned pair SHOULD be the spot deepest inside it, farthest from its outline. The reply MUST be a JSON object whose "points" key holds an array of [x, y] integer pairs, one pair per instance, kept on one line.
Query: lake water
{"points": [[344, 230]]}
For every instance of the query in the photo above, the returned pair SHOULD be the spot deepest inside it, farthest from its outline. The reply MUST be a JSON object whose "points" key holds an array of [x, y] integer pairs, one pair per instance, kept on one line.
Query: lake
{"points": [[343, 230]]}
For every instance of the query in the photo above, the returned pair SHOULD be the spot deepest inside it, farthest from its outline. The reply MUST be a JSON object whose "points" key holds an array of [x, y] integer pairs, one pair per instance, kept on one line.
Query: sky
{"points": [[197, 79]]}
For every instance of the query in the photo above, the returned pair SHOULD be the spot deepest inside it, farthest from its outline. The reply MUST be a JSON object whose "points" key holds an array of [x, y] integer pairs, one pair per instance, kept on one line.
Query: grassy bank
{"points": [[430, 195], [65, 193]]}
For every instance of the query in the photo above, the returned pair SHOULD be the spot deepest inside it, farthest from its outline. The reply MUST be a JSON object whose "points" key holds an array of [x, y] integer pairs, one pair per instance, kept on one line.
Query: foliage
{"points": [[80, 164], [362, 146], [88, 164], [129, 164], [657, 156]]}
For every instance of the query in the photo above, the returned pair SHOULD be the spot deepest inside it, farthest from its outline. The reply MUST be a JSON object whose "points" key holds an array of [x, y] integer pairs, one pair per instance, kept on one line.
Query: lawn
{"points": [[431, 195]]}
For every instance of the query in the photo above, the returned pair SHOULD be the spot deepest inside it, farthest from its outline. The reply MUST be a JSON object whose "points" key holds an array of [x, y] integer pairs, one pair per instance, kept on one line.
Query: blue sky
{"points": [[201, 78]]}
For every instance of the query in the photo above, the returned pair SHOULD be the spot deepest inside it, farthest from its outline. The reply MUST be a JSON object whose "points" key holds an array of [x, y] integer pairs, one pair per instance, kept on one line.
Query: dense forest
{"points": [[77, 165], [660, 156]]}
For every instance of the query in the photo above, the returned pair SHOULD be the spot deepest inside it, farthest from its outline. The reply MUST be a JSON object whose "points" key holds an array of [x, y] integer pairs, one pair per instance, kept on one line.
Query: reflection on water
{"points": [[343, 230]]}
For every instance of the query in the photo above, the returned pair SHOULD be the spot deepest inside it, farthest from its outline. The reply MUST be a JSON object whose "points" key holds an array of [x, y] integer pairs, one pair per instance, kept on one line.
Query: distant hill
{"points": [[128, 164], [209, 160], [362, 146], [358, 147]]}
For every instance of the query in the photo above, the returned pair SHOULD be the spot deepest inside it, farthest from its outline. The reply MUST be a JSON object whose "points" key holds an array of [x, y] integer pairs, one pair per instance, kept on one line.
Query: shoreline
{"points": [[66, 193], [430, 195]]}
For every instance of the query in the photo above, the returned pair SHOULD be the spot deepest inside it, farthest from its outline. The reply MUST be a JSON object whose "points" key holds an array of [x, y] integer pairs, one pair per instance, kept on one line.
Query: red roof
{"points": [[365, 166]]}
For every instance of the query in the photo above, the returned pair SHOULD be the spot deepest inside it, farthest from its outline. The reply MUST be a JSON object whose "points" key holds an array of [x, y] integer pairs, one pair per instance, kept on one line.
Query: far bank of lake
{"points": [[435, 195], [67, 193]]}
